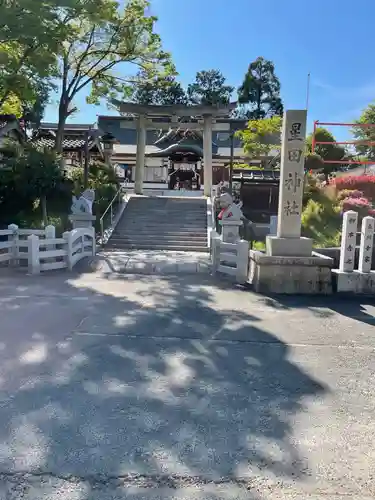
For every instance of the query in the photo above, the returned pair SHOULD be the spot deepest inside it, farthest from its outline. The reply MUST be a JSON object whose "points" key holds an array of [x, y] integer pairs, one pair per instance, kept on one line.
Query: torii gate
{"points": [[201, 117]]}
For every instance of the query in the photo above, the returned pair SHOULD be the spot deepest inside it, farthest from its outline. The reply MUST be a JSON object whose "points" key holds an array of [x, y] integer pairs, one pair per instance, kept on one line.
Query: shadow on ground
{"points": [[152, 386], [347, 305]]}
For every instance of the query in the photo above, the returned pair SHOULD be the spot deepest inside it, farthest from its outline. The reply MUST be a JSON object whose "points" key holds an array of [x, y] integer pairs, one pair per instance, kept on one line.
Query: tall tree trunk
{"points": [[63, 115], [259, 102]]}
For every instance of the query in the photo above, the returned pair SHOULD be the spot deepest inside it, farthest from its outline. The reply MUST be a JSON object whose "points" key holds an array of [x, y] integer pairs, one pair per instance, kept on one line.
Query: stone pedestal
{"points": [[288, 247], [82, 220], [354, 281], [290, 275], [230, 231]]}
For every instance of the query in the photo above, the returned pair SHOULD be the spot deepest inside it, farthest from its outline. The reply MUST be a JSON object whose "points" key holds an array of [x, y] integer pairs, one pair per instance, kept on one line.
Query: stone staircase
{"points": [[162, 223]]}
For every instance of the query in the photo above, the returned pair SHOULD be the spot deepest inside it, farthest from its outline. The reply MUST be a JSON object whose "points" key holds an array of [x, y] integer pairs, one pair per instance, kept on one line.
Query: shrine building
{"points": [[74, 142], [190, 145]]}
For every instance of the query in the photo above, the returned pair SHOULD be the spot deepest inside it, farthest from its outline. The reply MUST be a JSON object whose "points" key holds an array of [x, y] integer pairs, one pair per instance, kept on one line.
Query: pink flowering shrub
{"points": [[360, 205], [349, 193], [363, 183]]}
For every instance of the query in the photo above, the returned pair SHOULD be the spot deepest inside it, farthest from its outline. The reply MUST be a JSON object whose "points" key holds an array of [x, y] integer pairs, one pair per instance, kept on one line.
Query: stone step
{"points": [[149, 225], [155, 233], [170, 209], [162, 224], [157, 222], [155, 246], [160, 220], [165, 213], [164, 236], [165, 243]]}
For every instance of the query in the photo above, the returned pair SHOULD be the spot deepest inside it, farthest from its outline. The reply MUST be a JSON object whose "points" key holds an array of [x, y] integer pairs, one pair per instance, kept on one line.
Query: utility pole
{"points": [[308, 92]]}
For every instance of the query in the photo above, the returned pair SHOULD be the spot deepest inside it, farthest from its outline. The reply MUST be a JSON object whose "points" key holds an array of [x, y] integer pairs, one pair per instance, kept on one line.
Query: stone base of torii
{"points": [[289, 265]]}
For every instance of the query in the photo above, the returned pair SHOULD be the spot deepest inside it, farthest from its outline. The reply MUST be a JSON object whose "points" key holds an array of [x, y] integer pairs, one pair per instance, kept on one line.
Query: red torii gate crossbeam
{"points": [[314, 142]]}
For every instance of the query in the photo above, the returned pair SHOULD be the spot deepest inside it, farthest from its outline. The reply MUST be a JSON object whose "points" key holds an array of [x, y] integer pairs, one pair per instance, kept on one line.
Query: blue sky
{"points": [[331, 39]]}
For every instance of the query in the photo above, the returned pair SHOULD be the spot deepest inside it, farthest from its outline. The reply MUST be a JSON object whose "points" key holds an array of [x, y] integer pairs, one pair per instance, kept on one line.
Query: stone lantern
{"points": [[108, 140]]}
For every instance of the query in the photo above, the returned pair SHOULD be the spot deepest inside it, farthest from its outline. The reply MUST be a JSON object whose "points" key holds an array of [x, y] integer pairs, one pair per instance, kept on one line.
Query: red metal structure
{"points": [[314, 142]]}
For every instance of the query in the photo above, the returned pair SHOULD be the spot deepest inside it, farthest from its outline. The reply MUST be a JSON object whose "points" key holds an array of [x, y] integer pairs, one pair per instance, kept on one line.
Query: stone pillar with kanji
{"points": [[366, 245], [288, 240]]}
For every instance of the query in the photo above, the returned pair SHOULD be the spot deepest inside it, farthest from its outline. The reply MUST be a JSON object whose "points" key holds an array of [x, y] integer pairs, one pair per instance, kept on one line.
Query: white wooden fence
{"points": [[42, 251]]}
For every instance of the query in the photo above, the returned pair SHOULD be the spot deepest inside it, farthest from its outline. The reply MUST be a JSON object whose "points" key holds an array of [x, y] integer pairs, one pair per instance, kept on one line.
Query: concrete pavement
{"points": [[146, 387], [151, 262]]}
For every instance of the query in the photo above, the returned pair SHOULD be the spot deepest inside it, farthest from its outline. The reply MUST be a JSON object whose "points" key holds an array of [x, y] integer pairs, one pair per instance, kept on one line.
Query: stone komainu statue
{"points": [[232, 211], [83, 204]]}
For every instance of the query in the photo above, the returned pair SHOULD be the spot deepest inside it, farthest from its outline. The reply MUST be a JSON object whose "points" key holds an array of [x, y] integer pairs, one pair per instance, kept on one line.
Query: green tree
{"points": [[101, 43], [30, 35], [259, 93], [33, 111], [261, 136], [171, 93], [12, 105], [209, 88], [163, 91], [326, 152], [38, 173], [366, 134], [31, 175]]}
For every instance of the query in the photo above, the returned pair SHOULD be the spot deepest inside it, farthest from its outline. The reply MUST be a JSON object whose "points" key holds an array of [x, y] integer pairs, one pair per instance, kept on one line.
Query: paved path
{"points": [[141, 387], [152, 262]]}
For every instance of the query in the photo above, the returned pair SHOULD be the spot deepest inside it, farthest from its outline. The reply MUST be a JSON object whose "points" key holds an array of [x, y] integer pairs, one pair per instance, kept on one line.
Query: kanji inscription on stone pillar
{"points": [[292, 174], [366, 245], [348, 241]]}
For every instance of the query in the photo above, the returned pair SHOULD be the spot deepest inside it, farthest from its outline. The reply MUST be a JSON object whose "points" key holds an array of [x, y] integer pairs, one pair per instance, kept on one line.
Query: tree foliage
{"points": [[99, 44], [162, 91], [326, 152], [31, 33], [33, 111], [209, 88], [261, 136], [366, 134], [12, 105], [27, 175], [259, 93]]}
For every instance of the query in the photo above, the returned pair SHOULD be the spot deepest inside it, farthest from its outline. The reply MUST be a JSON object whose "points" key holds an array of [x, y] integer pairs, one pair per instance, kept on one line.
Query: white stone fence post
{"points": [[348, 241], [361, 280], [14, 238], [33, 254], [366, 245]]}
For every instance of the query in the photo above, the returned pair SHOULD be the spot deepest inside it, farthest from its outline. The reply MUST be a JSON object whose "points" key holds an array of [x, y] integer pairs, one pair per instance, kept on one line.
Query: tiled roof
{"points": [[68, 126], [68, 142], [177, 135], [131, 149]]}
